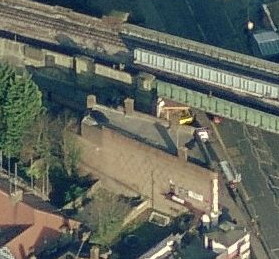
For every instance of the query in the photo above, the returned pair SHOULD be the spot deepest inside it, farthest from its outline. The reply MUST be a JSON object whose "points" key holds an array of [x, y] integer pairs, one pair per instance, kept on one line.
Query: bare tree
{"points": [[71, 152], [108, 212]]}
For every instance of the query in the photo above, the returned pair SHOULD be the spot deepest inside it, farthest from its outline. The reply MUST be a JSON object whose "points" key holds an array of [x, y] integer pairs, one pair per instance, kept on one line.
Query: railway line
{"points": [[120, 38], [24, 17], [222, 55], [134, 43], [218, 74]]}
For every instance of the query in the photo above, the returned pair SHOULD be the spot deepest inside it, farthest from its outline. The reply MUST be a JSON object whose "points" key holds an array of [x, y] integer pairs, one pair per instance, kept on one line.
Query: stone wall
{"points": [[20, 54], [137, 211], [115, 74]]}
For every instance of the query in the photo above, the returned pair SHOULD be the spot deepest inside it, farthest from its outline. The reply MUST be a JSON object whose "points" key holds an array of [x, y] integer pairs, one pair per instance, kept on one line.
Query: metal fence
{"points": [[218, 106], [206, 74]]}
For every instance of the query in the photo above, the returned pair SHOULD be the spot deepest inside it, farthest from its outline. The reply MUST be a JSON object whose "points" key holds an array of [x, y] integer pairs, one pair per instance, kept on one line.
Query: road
{"points": [[254, 154], [231, 208]]}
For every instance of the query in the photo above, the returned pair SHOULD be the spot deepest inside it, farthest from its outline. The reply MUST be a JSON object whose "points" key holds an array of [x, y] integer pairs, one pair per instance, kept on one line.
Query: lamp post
{"points": [[177, 136]]}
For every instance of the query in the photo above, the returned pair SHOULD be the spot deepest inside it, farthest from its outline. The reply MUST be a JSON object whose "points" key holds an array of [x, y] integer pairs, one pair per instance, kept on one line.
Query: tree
{"points": [[37, 169], [71, 152], [108, 212], [46, 149], [20, 104]]}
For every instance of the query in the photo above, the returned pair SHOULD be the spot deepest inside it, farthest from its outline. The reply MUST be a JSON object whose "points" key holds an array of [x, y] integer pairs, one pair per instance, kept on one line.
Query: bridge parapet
{"points": [[217, 106], [200, 48], [222, 79]]}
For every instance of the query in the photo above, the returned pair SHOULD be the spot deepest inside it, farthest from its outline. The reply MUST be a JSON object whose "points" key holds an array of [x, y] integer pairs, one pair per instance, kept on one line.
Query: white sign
{"points": [[195, 196]]}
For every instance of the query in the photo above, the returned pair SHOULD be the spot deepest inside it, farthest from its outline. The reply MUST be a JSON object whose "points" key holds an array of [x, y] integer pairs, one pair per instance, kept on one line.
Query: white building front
{"points": [[228, 241]]}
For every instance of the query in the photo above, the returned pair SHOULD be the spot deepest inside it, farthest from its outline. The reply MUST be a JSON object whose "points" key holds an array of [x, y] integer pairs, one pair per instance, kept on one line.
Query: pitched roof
{"points": [[268, 42], [163, 248], [273, 8], [227, 233], [7, 233], [32, 222]]}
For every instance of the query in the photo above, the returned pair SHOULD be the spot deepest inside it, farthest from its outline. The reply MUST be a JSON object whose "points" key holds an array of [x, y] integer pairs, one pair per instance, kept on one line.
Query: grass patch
{"points": [[177, 19]]}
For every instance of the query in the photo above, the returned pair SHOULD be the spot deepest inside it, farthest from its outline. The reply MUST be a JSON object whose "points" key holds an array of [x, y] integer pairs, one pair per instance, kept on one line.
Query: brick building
{"points": [[148, 170], [28, 224]]}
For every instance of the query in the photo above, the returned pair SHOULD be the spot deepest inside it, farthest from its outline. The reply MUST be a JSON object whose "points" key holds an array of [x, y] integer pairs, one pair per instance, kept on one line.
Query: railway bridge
{"points": [[224, 82]]}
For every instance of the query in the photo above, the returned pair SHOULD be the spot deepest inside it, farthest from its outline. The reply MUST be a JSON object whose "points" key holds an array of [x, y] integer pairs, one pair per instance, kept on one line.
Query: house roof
{"points": [[227, 233], [31, 199], [28, 223], [268, 42], [164, 247], [274, 12], [226, 238], [7, 233]]}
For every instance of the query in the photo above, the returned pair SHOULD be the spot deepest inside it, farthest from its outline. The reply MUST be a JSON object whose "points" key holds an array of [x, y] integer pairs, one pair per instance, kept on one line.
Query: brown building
{"points": [[147, 170], [28, 224]]}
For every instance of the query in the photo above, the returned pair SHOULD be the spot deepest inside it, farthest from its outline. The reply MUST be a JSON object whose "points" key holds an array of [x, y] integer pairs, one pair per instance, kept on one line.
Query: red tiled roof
{"points": [[44, 224]]}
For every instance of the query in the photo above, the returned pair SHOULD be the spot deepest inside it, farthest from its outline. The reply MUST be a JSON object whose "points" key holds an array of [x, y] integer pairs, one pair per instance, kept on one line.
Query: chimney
{"points": [[182, 153], [95, 252], [91, 101], [129, 106]]}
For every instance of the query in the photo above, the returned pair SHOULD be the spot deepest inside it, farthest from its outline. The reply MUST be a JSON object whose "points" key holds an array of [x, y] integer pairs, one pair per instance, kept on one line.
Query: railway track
{"points": [[15, 16], [36, 22], [134, 43]]}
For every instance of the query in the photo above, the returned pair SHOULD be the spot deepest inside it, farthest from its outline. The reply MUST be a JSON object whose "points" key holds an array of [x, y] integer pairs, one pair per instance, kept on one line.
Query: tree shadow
{"points": [[225, 216], [65, 187]]}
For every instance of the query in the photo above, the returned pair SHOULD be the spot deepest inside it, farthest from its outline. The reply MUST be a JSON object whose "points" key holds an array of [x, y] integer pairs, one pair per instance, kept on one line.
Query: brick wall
{"points": [[134, 164]]}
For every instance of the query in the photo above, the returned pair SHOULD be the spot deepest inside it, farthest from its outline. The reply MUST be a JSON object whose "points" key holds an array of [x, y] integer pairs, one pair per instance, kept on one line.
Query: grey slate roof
{"points": [[268, 42], [227, 233]]}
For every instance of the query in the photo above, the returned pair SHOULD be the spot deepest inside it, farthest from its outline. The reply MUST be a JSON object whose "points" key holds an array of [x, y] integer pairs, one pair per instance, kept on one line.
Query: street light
{"points": [[177, 137]]}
